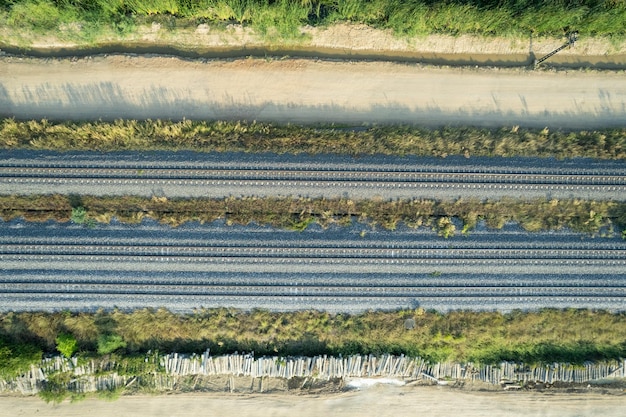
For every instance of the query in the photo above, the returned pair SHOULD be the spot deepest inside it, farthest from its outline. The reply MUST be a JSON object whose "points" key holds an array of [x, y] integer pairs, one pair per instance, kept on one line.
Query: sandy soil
{"points": [[309, 91], [379, 401]]}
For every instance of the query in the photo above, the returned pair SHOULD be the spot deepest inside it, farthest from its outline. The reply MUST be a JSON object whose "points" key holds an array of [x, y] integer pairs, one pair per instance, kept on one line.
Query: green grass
{"points": [[546, 336], [18, 353], [55, 388], [221, 136], [283, 18]]}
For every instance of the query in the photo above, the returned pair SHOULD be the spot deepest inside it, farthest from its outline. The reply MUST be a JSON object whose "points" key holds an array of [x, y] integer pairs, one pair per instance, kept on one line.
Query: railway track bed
{"points": [[222, 175], [54, 266]]}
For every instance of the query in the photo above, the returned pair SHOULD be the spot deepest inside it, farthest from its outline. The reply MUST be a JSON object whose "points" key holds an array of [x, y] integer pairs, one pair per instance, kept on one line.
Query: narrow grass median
{"points": [[223, 136], [599, 218]]}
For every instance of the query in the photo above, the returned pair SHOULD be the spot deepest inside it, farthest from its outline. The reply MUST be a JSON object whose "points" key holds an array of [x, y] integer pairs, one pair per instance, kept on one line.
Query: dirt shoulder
{"points": [[380, 401], [341, 40]]}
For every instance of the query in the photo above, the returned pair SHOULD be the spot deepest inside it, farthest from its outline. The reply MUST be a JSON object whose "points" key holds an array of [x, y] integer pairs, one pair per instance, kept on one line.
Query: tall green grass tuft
{"points": [[38, 15], [282, 19]]}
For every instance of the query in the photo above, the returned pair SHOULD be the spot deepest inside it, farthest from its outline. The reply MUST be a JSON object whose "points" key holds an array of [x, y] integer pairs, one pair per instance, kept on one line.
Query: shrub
{"points": [[109, 343], [111, 393], [66, 344], [220, 136], [79, 215], [16, 357]]}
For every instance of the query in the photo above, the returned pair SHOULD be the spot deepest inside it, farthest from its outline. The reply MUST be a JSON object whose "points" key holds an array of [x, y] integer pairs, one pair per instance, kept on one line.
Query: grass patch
{"points": [[17, 352], [546, 336], [603, 218], [202, 136]]}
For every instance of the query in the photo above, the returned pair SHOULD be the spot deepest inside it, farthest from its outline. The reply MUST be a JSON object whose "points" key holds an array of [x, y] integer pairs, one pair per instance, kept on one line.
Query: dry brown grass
{"points": [[266, 137], [592, 217]]}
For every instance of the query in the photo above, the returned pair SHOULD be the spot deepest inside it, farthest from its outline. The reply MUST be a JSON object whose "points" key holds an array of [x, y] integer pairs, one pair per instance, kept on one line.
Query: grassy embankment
{"points": [[94, 20], [546, 336]]}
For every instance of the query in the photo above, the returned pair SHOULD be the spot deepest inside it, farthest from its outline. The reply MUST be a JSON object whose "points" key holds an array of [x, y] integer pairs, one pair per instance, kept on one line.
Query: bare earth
{"points": [[379, 401], [307, 91]]}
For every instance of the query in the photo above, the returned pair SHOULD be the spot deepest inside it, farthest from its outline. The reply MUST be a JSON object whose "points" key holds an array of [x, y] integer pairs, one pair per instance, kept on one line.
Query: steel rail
{"points": [[328, 280], [178, 259], [313, 242], [307, 252], [136, 161], [287, 291], [24, 173], [355, 279]]}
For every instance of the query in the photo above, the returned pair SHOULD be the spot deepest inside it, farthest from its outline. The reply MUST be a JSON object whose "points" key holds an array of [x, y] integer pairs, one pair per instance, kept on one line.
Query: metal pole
{"points": [[572, 37]]}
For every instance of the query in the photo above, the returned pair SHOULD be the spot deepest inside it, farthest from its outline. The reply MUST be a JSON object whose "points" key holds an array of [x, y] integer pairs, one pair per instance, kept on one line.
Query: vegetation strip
{"points": [[282, 19], [592, 217], [546, 336], [222, 136]]}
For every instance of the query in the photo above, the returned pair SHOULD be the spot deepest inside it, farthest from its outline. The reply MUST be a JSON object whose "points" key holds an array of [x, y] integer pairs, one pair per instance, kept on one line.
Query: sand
{"points": [[378, 401]]}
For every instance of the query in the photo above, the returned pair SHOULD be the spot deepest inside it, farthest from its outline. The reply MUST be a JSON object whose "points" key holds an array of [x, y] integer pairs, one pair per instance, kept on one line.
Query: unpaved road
{"points": [[109, 87], [377, 401]]}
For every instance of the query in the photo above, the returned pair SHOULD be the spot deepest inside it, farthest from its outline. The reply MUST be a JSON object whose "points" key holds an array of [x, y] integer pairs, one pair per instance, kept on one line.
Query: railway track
{"points": [[61, 266], [282, 252], [238, 174], [234, 174]]}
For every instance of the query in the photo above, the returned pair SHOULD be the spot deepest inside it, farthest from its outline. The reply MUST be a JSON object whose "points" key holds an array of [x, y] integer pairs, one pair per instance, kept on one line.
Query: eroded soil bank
{"points": [[340, 41]]}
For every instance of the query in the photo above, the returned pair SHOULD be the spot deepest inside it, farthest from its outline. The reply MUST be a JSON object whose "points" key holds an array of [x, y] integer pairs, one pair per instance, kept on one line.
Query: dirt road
{"points": [[306, 91], [377, 401]]}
